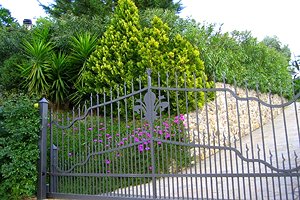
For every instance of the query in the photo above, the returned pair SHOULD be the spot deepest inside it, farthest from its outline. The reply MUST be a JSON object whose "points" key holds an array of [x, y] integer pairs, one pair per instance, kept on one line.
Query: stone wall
{"points": [[226, 119]]}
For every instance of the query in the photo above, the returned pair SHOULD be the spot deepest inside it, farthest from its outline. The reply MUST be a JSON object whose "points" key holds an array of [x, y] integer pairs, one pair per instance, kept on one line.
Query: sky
{"points": [[279, 18]]}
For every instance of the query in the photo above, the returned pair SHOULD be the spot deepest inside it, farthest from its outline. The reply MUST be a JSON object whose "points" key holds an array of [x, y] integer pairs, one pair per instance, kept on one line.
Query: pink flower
{"points": [[147, 148], [121, 143], [141, 148], [90, 128], [95, 140], [159, 143], [150, 168], [167, 135], [136, 139], [107, 162], [181, 117]]}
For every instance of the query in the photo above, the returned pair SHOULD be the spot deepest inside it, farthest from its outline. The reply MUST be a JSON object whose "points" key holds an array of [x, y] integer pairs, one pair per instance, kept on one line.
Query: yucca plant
{"points": [[59, 78], [82, 46], [35, 69]]}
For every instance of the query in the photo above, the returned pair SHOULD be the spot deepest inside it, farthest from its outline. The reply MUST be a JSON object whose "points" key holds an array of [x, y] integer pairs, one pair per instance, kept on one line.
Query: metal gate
{"points": [[161, 142]]}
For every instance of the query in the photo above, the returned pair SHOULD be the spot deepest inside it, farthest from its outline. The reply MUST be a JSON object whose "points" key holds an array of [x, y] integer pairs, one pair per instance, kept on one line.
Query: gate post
{"points": [[42, 162]]}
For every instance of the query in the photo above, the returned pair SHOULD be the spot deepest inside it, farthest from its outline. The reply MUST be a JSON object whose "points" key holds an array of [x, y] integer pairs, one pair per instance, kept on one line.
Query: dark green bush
{"points": [[19, 129], [9, 74]]}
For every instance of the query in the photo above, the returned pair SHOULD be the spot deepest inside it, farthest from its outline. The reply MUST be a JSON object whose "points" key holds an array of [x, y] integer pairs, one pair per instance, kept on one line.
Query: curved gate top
{"points": [[166, 142]]}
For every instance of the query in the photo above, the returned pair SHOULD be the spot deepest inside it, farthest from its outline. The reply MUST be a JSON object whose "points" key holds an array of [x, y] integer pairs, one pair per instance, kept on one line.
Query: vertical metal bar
{"points": [[126, 162], [285, 183], [92, 160], [229, 141], [273, 182], [248, 171], [114, 135], [189, 139], [42, 162], [51, 151], [275, 143], [176, 152], [104, 183], [151, 108], [53, 168], [208, 141], [298, 177], [166, 146], [251, 142], [216, 132], [75, 188], [286, 140], [111, 143], [263, 142], [197, 120], [67, 134], [219, 144], [85, 179], [199, 140], [97, 170], [132, 141], [241, 147], [159, 162], [80, 154]]}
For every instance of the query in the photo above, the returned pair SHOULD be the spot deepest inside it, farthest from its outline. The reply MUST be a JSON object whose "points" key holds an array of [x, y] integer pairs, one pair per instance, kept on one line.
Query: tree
{"points": [[5, 17], [126, 50], [274, 42], [102, 8]]}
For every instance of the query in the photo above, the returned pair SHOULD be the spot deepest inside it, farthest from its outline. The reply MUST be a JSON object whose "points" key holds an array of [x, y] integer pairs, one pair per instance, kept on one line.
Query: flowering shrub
{"points": [[125, 149]]}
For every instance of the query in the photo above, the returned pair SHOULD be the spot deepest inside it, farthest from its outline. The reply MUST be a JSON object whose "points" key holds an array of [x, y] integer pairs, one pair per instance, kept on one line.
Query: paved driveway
{"points": [[231, 175]]}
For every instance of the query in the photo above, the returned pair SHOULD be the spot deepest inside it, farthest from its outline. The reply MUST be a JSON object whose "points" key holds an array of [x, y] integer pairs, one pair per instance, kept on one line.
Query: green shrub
{"points": [[19, 129], [9, 74], [126, 50]]}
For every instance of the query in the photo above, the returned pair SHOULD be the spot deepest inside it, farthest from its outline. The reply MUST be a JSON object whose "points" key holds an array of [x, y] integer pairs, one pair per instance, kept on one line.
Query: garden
{"points": [[81, 50]]}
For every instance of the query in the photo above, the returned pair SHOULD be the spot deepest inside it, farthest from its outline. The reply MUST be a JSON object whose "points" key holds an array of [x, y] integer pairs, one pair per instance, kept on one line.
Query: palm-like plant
{"points": [[82, 45], [35, 70], [59, 77]]}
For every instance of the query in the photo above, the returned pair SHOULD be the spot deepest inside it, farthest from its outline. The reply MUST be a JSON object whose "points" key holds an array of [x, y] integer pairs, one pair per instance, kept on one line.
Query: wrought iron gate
{"points": [[155, 143]]}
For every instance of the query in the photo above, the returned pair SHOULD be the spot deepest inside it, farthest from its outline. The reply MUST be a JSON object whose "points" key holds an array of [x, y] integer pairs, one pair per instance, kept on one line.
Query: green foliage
{"points": [[237, 56], [5, 17], [10, 78], [102, 8], [126, 50], [35, 69], [10, 42], [69, 25], [19, 129], [59, 78]]}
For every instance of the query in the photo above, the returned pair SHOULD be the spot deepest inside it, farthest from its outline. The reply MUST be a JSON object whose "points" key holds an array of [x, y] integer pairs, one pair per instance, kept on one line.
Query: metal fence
{"points": [[163, 142]]}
